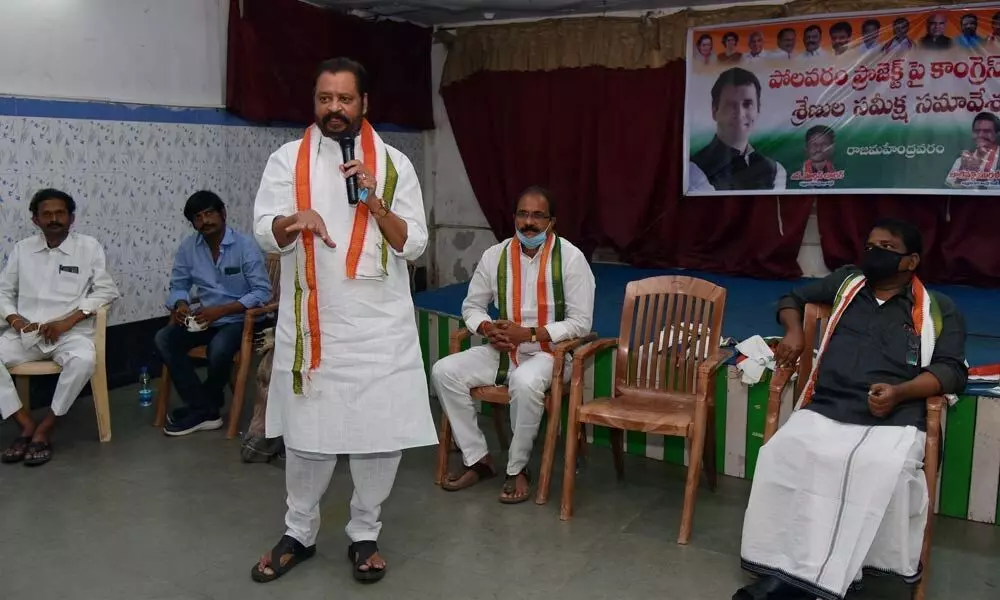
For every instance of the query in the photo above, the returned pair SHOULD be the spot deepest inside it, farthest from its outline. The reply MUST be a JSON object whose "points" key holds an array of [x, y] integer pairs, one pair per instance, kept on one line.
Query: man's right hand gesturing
{"points": [[286, 229]]}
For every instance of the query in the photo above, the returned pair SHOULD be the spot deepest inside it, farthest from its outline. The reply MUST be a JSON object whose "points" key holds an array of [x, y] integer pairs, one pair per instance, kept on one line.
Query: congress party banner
{"points": [[879, 102]]}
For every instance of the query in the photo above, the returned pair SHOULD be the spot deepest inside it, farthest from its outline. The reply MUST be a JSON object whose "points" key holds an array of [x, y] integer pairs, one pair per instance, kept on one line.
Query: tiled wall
{"points": [[130, 180]]}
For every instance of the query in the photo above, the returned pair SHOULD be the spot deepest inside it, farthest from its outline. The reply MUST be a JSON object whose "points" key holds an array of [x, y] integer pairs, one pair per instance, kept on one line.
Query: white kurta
{"points": [[369, 392]]}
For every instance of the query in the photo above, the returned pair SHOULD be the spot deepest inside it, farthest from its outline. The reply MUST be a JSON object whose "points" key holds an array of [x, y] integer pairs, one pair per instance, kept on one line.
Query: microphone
{"points": [[347, 148]]}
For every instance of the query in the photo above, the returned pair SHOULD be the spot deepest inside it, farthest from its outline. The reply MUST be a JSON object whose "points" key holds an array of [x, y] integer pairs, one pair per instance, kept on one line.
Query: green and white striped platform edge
{"points": [[970, 472]]}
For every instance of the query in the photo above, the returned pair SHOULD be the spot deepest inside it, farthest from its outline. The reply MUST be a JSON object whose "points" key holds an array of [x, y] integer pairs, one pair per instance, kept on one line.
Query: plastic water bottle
{"points": [[145, 391]]}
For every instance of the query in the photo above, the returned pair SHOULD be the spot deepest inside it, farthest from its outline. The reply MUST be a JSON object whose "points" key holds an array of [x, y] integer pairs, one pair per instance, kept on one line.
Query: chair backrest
{"points": [[814, 324], [272, 263], [670, 325]]}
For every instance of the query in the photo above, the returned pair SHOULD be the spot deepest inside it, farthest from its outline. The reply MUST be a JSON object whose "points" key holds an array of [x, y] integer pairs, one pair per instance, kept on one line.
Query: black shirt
{"points": [[879, 344], [728, 169]]}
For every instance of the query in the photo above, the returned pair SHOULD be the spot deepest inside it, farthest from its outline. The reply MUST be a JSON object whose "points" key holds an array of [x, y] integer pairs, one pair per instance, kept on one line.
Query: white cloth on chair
{"points": [[74, 352], [455, 375], [830, 499], [307, 476]]}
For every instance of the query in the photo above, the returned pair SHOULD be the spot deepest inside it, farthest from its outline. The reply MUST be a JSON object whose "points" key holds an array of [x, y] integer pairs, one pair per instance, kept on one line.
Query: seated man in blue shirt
{"points": [[228, 269]]}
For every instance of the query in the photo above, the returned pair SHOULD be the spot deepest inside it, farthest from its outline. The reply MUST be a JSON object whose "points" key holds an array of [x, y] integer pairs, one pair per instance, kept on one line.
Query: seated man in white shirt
{"points": [[50, 290], [552, 300]]}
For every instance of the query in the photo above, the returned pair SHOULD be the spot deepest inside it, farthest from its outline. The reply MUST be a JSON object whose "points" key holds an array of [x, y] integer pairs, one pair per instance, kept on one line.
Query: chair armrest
{"points": [[566, 346], [935, 406], [781, 377], [582, 354], [714, 362], [250, 315], [456, 338], [261, 310]]}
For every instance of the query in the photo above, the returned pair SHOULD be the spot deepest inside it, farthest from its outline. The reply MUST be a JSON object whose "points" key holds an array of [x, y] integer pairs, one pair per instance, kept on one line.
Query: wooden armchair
{"points": [[667, 354], [815, 321], [241, 362], [498, 396], [98, 381]]}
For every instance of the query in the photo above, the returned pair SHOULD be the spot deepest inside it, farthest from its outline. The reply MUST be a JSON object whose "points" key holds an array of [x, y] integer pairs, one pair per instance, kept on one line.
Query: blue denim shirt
{"points": [[238, 276]]}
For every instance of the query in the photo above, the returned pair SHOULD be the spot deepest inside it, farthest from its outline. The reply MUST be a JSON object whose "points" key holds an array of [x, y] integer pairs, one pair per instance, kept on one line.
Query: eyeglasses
{"points": [[538, 216]]}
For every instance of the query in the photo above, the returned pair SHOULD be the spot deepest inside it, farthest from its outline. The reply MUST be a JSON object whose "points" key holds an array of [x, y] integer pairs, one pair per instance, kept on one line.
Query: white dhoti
{"points": [[307, 476], [74, 352], [830, 499], [455, 375]]}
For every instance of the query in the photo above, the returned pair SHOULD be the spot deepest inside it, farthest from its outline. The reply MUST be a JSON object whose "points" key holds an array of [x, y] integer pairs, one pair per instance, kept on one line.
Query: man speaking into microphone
{"points": [[348, 377]]}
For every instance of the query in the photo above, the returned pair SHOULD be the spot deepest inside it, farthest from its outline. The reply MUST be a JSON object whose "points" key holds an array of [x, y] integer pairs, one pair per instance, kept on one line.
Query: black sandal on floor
{"points": [[287, 545], [510, 488], [16, 451], [38, 454], [359, 553]]}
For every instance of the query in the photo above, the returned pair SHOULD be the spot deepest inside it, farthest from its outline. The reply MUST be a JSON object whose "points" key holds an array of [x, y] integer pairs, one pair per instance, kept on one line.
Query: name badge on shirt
{"points": [[69, 269], [231, 271]]}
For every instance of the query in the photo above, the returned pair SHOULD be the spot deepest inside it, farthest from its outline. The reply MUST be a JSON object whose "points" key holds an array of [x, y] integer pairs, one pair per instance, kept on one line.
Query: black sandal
{"points": [[482, 471], [286, 545], [38, 454], [510, 488], [16, 451], [359, 553], [259, 449]]}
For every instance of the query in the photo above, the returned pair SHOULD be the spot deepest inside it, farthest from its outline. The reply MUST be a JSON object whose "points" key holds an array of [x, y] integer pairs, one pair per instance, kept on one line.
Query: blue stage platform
{"points": [[750, 306]]}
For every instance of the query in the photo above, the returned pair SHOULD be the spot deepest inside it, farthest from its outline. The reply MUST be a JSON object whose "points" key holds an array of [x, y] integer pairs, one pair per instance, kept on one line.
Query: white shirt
{"points": [[369, 392], [578, 289], [817, 53], [44, 284], [698, 180], [748, 57]]}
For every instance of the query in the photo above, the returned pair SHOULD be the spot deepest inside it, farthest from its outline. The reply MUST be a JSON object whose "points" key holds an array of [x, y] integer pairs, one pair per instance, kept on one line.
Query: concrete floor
{"points": [[150, 517]]}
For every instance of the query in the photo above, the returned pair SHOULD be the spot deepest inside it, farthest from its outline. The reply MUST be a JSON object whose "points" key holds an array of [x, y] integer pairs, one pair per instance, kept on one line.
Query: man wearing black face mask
{"points": [[839, 486]]}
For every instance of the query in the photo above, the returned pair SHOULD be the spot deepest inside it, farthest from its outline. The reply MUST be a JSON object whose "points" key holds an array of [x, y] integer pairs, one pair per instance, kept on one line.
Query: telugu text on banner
{"points": [[881, 102]]}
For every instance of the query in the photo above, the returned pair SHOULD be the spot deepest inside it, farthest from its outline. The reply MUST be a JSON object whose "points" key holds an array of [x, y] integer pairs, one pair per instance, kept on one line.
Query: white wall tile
{"points": [[131, 180]]}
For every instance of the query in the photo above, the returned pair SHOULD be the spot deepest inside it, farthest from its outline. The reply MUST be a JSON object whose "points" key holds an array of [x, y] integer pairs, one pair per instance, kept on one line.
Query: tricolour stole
{"points": [[373, 155], [926, 320], [548, 288]]}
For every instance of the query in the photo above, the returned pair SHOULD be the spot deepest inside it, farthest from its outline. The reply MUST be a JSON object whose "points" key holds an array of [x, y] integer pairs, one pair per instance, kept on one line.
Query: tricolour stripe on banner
{"points": [[735, 457], [983, 493], [956, 471], [756, 418]]}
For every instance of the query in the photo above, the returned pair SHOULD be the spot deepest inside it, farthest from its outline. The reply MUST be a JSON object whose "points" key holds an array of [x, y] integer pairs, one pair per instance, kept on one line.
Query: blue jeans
{"points": [[173, 343]]}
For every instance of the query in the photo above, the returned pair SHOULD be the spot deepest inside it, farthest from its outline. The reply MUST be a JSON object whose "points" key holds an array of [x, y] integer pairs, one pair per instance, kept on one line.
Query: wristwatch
{"points": [[534, 337], [87, 313], [381, 209]]}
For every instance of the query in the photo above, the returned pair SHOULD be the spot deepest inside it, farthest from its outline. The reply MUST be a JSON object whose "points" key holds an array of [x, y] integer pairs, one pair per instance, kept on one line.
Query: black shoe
{"points": [[193, 422], [178, 414], [770, 588]]}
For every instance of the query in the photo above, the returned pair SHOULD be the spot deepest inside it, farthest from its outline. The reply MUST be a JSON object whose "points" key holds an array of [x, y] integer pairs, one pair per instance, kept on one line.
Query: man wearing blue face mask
{"points": [[544, 290]]}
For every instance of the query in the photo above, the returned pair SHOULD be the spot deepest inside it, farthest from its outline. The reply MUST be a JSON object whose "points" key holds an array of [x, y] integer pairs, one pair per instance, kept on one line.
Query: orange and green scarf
{"points": [[551, 300], [376, 158]]}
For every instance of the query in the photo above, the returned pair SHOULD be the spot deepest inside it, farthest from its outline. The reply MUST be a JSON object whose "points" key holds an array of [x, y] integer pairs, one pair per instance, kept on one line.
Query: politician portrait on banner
{"points": [[902, 101]]}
